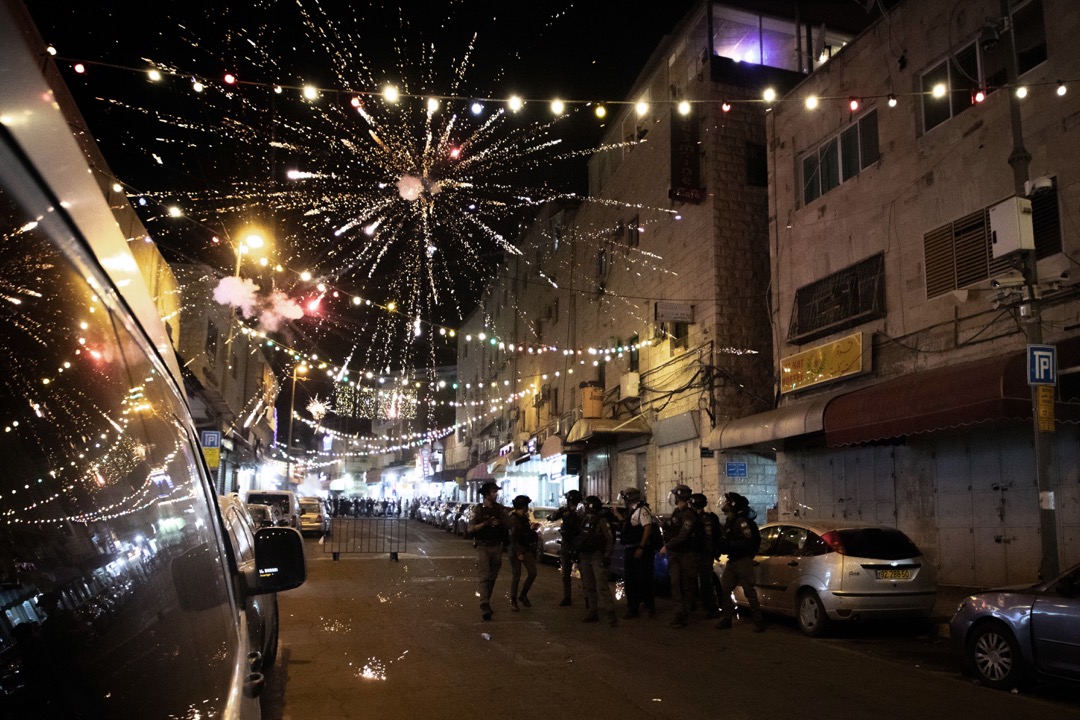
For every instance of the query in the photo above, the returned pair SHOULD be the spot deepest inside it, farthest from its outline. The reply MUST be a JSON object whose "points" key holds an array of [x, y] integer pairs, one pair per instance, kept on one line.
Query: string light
{"points": [[811, 102], [1061, 90]]}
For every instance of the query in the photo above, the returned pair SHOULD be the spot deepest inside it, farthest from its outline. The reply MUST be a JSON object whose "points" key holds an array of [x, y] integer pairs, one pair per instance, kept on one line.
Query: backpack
{"points": [[656, 537], [591, 537]]}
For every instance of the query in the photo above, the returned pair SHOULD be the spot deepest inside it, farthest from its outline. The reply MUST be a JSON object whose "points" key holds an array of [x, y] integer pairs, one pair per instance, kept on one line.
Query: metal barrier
{"points": [[366, 535]]}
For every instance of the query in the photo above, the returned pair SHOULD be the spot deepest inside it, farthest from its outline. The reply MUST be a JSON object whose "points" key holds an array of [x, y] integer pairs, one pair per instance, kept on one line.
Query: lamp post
{"points": [[1020, 161], [300, 368]]}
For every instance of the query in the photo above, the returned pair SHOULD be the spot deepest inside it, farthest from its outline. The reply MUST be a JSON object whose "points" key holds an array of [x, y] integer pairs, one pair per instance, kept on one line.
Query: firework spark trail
{"points": [[397, 201]]}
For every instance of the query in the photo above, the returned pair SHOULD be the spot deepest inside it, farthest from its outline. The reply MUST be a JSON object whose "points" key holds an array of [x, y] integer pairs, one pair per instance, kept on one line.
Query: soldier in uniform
{"points": [[594, 544], [712, 536], [571, 526], [682, 546], [523, 540], [741, 541], [490, 528], [637, 539]]}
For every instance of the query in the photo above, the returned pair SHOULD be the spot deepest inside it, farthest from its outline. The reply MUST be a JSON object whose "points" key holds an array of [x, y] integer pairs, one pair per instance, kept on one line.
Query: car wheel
{"points": [[993, 657], [810, 614]]}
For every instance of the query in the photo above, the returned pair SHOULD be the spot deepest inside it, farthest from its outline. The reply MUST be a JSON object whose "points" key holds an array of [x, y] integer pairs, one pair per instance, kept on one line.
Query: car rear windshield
{"points": [[310, 508], [878, 544], [281, 502]]}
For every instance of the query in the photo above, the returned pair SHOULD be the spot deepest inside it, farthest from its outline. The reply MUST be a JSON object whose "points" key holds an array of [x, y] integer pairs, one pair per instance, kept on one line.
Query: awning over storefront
{"points": [[675, 429], [496, 466], [479, 472], [552, 446], [446, 476], [599, 428], [802, 417], [993, 389]]}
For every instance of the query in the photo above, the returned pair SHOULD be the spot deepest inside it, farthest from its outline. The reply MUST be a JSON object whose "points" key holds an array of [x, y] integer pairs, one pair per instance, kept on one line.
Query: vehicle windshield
{"points": [[878, 544], [259, 512]]}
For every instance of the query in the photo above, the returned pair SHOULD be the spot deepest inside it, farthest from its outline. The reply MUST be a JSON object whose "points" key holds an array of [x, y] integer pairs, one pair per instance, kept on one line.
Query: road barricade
{"points": [[363, 535]]}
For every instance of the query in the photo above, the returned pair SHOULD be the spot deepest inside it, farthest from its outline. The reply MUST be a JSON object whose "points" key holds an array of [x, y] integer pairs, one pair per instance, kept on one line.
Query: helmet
{"points": [[593, 504], [487, 486], [521, 502], [734, 502], [573, 497], [630, 495], [698, 501], [679, 492]]}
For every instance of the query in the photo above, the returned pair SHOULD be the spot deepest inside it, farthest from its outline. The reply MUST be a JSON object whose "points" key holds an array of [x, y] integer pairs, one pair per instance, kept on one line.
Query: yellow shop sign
{"points": [[821, 364]]}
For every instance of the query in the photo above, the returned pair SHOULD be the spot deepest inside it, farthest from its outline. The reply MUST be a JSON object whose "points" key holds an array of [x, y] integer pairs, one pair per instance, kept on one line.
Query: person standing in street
{"points": [[637, 538], [712, 532], [490, 528], [523, 542], [741, 541], [682, 546], [570, 515], [594, 545]]}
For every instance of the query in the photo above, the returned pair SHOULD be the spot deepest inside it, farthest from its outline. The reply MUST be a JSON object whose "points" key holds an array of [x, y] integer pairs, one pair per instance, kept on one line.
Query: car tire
{"points": [[993, 657], [810, 614], [270, 655]]}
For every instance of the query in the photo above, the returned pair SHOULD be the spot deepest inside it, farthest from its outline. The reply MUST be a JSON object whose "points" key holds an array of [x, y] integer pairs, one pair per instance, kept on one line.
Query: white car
{"points": [[824, 571]]}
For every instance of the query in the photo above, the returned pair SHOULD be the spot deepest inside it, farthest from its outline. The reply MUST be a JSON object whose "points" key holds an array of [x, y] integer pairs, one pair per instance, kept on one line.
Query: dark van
{"points": [[121, 595]]}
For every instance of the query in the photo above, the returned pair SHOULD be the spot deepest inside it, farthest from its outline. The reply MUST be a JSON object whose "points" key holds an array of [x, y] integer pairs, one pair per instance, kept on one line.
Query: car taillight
{"points": [[832, 539]]}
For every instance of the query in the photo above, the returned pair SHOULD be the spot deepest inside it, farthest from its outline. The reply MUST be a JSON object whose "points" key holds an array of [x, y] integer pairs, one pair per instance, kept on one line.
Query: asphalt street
{"points": [[368, 637]]}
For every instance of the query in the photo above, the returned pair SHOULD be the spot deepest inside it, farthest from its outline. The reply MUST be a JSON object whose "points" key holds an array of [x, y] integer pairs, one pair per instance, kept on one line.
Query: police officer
{"points": [[682, 546], [711, 539], [523, 541], [594, 544], [637, 539], [570, 515], [489, 525], [741, 541]]}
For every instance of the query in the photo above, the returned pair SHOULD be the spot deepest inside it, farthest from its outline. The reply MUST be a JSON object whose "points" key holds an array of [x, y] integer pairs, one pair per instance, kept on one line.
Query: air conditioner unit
{"points": [[1011, 228], [629, 385]]}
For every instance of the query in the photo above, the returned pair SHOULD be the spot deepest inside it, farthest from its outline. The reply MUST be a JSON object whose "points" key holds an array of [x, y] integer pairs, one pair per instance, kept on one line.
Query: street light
{"points": [[301, 368]]}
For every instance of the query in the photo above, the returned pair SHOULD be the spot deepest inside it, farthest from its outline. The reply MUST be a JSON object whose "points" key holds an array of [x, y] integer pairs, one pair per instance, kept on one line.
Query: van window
{"points": [[101, 494], [275, 500]]}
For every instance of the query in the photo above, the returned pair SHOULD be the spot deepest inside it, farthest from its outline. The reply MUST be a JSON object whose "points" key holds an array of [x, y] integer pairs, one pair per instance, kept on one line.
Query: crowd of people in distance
{"points": [[692, 538], [344, 506]]}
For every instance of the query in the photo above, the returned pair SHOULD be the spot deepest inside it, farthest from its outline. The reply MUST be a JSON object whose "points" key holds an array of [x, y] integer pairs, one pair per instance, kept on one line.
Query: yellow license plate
{"points": [[894, 574]]}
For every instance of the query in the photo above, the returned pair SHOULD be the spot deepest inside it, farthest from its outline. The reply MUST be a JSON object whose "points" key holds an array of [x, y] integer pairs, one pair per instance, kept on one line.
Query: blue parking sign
{"points": [[1042, 364], [211, 438]]}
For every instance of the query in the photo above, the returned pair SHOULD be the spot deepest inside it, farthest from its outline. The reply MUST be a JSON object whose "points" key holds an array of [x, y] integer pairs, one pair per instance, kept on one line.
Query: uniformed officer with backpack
{"points": [[570, 516], [682, 544], [741, 541], [641, 538], [594, 544], [712, 540], [489, 525]]}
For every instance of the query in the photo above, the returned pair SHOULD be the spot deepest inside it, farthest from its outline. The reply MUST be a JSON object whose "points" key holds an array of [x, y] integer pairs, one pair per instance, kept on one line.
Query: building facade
{"points": [[921, 194]]}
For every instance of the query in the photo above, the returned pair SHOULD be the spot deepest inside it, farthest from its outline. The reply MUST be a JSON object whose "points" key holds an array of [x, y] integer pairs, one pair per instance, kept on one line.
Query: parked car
{"points": [[1009, 636], [123, 597], [313, 517], [260, 611], [264, 515], [821, 571]]}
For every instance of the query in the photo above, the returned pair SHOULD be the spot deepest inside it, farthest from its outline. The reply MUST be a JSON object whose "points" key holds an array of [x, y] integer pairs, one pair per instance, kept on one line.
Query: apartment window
{"points": [[633, 232], [839, 301], [757, 169], [841, 157], [635, 354], [680, 335], [212, 338], [983, 64], [959, 254]]}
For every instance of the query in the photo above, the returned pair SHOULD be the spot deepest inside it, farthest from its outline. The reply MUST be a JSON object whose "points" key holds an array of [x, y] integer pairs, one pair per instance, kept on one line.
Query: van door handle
{"points": [[254, 685]]}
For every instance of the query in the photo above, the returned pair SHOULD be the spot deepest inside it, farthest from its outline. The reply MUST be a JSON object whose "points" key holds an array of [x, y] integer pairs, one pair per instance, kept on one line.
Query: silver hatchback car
{"points": [[825, 571]]}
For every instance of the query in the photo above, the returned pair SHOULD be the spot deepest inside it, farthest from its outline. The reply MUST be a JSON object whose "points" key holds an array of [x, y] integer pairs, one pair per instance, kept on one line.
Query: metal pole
{"points": [[1020, 160], [288, 444]]}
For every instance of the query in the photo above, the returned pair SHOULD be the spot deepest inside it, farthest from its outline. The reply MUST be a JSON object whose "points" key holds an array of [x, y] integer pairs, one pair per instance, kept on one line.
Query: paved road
{"points": [[369, 638]]}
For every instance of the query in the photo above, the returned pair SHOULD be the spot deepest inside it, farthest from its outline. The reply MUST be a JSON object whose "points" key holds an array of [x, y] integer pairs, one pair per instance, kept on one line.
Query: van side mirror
{"points": [[279, 561]]}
